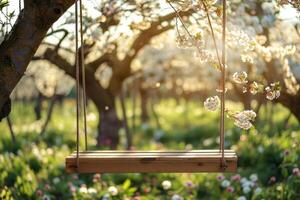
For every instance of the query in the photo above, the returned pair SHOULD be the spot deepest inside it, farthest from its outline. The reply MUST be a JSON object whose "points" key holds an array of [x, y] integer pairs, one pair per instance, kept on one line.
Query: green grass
{"points": [[35, 165]]}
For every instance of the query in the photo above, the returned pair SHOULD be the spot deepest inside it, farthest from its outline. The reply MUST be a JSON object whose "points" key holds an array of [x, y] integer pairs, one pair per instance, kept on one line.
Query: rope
{"points": [[223, 77], [77, 84], [212, 33], [78, 88], [83, 76]]}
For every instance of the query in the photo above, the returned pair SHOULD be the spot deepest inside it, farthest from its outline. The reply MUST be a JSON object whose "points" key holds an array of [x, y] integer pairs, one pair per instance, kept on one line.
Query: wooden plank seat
{"points": [[151, 161]]}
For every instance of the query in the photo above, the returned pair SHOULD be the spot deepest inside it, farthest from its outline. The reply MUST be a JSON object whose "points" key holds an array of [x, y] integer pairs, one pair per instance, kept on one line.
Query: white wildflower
{"points": [[105, 197], [243, 180], [258, 190], [225, 183], [83, 189], [46, 197], [253, 177], [176, 197], [212, 103], [247, 184], [56, 180], [246, 189], [260, 149], [166, 184], [92, 191], [113, 190], [242, 198]]}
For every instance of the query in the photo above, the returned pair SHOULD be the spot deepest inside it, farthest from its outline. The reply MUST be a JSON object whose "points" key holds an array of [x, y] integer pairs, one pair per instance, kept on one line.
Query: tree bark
{"points": [[108, 128], [155, 115], [49, 114], [104, 100], [144, 106], [11, 130], [134, 110], [21, 43], [38, 107], [125, 121], [291, 102]]}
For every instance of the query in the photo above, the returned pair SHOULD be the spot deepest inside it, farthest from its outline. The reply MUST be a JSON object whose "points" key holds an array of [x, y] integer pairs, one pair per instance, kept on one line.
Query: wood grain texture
{"points": [[151, 161]]}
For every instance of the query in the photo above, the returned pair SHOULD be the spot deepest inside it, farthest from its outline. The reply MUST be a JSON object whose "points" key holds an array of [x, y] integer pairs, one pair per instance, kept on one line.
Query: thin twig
{"points": [[212, 33], [183, 24]]}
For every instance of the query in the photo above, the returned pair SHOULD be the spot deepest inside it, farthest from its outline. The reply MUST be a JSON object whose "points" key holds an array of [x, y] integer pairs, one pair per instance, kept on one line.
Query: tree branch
{"points": [[22, 42]]}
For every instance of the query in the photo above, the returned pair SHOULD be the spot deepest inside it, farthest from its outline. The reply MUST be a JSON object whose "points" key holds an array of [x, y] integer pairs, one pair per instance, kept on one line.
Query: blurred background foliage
{"points": [[133, 57]]}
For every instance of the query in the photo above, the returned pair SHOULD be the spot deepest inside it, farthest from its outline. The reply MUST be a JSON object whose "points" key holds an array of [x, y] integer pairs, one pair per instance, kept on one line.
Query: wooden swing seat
{"points": [[151, 161]]}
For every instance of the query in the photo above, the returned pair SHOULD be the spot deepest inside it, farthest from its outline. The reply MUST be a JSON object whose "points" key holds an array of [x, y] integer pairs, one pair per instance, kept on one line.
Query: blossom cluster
{"points": [[212, 103], [243, 119], [237, 181], [272, 91], [192, 4]]}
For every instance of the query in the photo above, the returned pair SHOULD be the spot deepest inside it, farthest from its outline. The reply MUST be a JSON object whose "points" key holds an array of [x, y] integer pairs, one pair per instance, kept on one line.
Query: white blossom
{"points": [[271, 93], [254, 88], [240, 77], [247, 59], [212, 103], [243, 119]]}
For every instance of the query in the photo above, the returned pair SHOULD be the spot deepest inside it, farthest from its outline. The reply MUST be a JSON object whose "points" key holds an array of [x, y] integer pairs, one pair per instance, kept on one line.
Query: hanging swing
{"points": [[193, 161]]}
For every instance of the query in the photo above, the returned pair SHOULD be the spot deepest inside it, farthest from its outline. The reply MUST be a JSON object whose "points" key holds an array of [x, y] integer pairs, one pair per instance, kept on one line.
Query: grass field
{"points": [[33, 167]]}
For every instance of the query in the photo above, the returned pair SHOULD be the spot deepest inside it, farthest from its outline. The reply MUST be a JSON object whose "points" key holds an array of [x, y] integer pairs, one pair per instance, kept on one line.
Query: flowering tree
{"points": [[249, 42], [108, 68]]}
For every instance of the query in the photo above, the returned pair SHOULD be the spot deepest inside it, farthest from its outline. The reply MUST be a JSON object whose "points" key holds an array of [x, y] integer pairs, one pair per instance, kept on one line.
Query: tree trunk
{"points": [[38, 107], [286, 121], [104, 100], [155, 115], [49, 114], [144, 106], [108, 128], [11, 130], [21, 43], [134, 110], [125, 121], [291, 102], [246, 100]]}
